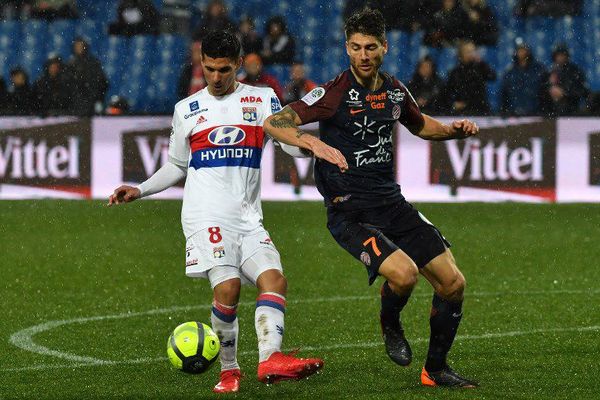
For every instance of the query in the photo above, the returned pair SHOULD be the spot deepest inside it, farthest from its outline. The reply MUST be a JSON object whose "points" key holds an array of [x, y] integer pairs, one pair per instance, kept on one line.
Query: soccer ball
{"points": [[193, 347]]}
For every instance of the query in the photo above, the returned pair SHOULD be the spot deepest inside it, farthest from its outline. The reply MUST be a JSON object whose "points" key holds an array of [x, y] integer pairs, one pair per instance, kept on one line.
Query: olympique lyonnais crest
{"points": [[249, 114], [219, 252]]}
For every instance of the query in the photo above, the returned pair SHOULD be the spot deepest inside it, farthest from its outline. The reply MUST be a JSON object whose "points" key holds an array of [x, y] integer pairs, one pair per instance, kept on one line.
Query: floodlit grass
{"points": [[531, 327]]}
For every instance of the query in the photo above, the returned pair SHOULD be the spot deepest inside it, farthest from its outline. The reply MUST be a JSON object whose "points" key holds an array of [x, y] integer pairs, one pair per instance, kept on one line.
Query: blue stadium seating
{"points": [[91, 9], [506, 50], [93, 33], [146, 69], [60, 38], [140, 63], [161, 92], [280, 72], [494, 94], [114, 62], [398, 48], [10, 32], [490, 55], [445, 59], [32, 52]]}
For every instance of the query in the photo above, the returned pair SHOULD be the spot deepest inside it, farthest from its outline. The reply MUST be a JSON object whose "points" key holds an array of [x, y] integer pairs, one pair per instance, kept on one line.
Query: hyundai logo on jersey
{"points": [[226, 135], [227, 146], [194, 106]]}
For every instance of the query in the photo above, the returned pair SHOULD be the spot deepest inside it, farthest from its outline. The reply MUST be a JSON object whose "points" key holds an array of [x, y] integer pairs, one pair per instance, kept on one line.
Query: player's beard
{"points": [[370, 73]]}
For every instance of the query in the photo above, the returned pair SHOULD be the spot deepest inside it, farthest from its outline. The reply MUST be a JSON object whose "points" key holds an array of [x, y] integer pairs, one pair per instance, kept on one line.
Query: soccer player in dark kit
{"points": [[367, 214]]}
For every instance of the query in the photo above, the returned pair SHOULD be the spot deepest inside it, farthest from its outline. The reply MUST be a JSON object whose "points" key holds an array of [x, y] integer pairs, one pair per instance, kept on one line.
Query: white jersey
{"points": [[220, 140]]}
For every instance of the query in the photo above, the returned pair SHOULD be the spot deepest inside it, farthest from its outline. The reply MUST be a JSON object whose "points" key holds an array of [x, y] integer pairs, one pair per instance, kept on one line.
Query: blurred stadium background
{"points": [[145, 68]]}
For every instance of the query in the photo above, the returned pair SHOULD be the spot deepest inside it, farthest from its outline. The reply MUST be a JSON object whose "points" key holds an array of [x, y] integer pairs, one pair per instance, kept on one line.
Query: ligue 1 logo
{"points": [[226, 135]]}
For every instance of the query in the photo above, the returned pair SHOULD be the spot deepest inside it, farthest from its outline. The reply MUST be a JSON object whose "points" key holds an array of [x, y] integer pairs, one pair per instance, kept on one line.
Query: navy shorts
{"points": [[372, 234]]}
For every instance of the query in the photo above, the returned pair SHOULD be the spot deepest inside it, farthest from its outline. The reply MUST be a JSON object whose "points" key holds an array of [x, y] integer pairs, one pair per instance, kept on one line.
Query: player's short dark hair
{"points": [[367, 22], [221, 44]]}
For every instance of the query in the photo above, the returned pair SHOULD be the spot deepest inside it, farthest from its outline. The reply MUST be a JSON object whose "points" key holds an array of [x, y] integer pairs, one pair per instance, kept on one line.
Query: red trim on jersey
{"points": [[254, 137]]}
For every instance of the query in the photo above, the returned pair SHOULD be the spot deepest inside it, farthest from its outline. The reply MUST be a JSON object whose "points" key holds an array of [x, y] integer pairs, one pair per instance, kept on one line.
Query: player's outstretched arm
{"points": [[294, 151], [433, 129], [167, 176], [283, 127]]}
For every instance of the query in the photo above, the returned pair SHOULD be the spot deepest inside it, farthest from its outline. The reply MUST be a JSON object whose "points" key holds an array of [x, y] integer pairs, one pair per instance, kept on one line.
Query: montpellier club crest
{"points": [[396, 111]]}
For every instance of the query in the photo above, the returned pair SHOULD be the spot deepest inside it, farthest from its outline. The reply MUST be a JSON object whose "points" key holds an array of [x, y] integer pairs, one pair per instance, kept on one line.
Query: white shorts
{"points": [[219, 255]]}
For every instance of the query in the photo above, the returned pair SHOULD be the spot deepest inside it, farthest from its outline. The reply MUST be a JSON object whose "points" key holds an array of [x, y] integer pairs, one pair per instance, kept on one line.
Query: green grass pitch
{"points": [[92, 293]]}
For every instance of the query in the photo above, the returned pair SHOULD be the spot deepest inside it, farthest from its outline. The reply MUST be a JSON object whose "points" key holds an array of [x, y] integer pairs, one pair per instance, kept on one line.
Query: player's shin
{"points": [[444, 320], [225, 324], [269, 323], [391, 306], [396, 345]]}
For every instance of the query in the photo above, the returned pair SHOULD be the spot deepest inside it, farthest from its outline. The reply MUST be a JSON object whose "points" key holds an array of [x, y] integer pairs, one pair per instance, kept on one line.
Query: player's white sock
{"points": [[225, 324], [268, 321]]}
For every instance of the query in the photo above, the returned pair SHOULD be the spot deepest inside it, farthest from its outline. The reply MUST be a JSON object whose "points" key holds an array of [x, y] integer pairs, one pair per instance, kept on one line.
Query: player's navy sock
{"points": [[225, 324], [444, 320], [391, 305], [268, 321]]}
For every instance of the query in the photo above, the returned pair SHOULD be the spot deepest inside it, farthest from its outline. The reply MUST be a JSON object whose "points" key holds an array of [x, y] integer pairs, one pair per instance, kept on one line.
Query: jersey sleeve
{"points": [[179, 146], [273, 107], [411, 116], [270, 107], [321, 103]]}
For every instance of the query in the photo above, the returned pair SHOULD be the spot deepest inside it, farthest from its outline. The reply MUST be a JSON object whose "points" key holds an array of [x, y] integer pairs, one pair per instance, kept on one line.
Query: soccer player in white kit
{"points": [[217, 140]]}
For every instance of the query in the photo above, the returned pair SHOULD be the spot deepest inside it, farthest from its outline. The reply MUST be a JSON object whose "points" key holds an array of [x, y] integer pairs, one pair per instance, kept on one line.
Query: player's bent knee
{"points": [[272, 280], [228, 292], [403, 280], [454, 289]]}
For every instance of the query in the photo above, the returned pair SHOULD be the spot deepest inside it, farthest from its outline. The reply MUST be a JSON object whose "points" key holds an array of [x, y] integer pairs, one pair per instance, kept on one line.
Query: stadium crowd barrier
{"points": [[517, 159]]}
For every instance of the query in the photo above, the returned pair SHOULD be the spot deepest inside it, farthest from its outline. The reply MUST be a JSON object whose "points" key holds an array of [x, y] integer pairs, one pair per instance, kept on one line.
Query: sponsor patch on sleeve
{"points": [[275, 105], [313, 96]]}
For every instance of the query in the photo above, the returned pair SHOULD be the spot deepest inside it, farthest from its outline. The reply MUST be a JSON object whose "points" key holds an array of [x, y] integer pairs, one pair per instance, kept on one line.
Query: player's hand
{"points": [[464, 128], [325, 152], [124, 194]]}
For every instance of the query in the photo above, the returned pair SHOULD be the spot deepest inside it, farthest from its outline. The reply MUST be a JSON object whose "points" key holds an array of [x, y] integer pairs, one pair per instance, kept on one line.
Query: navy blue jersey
{"points": [[359, 123]]}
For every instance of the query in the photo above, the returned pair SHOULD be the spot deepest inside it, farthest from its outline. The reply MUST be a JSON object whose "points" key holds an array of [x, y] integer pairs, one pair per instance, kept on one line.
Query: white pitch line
{"points": [[23, 339], [342, 346]]}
